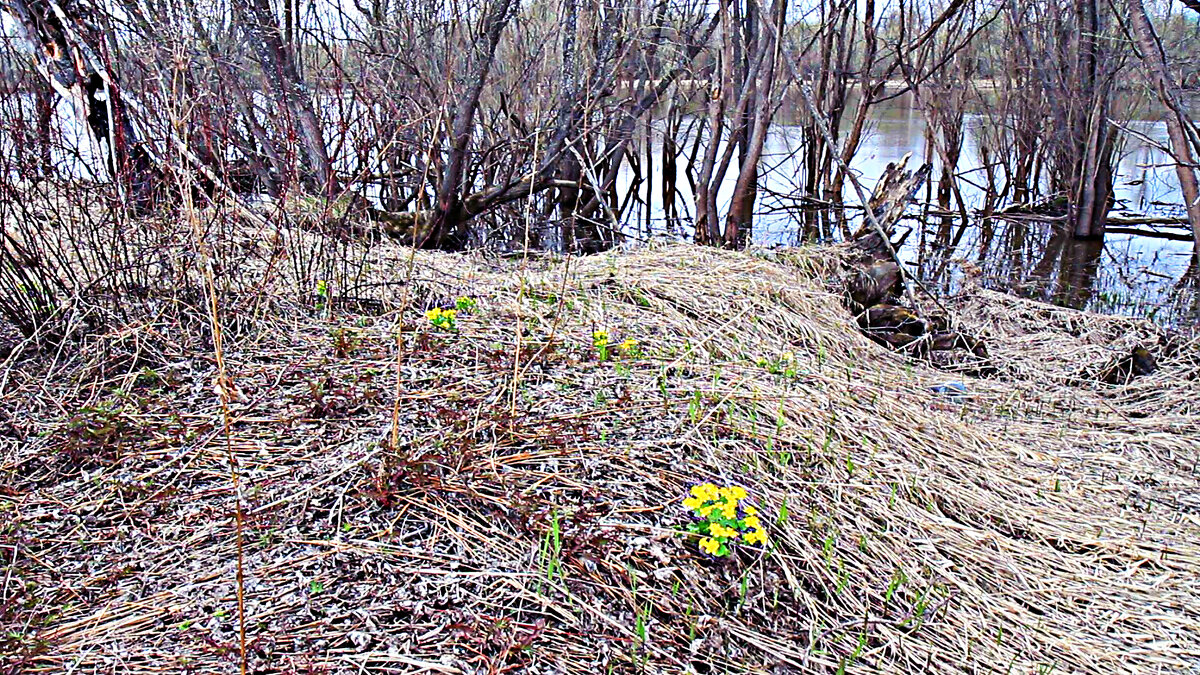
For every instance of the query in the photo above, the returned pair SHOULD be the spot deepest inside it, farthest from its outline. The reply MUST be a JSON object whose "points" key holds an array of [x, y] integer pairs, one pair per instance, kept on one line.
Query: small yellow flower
{"points": [[629, 344], [729, 510], [433, 314], [787, 357], [692, 503], [754, 537], [753, 522], [449, 313], [710, 545], [600, 338], [750, 510], [737, 492], [720, 531]]}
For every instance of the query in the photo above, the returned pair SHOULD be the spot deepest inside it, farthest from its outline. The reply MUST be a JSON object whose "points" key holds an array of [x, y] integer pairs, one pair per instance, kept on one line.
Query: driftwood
{"points": [[890, 198], [876, 284]]}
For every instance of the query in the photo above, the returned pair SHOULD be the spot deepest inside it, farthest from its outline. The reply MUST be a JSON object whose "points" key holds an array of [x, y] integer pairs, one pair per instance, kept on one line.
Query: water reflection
{"points": [[1066, 274], [1038, 259]]}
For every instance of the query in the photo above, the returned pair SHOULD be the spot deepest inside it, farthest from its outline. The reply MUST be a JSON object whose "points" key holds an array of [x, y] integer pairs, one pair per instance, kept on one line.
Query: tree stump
{"points": [[876, 280]]}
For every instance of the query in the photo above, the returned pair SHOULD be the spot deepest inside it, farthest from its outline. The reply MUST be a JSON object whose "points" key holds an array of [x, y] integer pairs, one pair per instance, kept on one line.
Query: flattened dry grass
{"points": [[527, 520]]}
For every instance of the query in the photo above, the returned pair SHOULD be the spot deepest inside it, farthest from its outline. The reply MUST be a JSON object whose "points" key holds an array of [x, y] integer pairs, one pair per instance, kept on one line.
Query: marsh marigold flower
{"points": [[719, 530], [754, 537], [717, 509]]}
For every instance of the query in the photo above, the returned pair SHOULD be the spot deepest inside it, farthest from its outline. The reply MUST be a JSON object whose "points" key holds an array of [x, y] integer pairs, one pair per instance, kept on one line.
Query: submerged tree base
{"points": [[529, 515]]}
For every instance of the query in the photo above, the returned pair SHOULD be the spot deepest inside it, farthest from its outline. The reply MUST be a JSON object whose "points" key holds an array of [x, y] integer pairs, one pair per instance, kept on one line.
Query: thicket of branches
{"points": [[448, 125]]}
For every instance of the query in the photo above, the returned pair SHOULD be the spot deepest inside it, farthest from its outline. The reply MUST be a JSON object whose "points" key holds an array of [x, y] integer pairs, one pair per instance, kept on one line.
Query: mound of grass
{"points": [[504, 492]]}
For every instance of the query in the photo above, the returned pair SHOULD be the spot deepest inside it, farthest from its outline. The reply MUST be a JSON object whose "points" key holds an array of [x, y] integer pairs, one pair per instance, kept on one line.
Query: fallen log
{"points": [[1152, 234], [1147, 220]]}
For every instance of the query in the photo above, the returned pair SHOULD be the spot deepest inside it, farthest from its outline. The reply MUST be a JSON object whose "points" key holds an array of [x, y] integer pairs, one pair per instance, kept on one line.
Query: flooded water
{"points": [[1127, 274]]}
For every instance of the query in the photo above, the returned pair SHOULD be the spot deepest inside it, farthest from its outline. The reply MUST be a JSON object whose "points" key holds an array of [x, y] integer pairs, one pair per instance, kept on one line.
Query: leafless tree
{"points": [[1185, 141]]}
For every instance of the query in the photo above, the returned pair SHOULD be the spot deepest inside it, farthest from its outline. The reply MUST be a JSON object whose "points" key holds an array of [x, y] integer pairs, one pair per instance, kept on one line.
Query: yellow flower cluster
{"points": [[629, 345], [442, 318], [723, 518]]}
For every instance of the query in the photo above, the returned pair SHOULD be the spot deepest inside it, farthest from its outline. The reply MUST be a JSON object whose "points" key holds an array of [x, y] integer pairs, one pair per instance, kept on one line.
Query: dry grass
{"points": [[1042, 523]]}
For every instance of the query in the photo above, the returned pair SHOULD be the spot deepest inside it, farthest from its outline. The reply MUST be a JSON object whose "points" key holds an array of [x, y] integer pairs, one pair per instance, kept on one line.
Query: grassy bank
{"points": [[528, 516]]}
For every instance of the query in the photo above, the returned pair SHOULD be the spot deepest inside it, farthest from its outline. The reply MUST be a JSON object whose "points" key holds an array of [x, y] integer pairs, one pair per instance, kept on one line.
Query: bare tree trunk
{"points": [[283, 81], [572, 172], [741, 205], [705, 192], [707, 229], [744, 196], [75, 71], [1093, 196], [449, 215], [1092, 166], [1156, 70]]}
